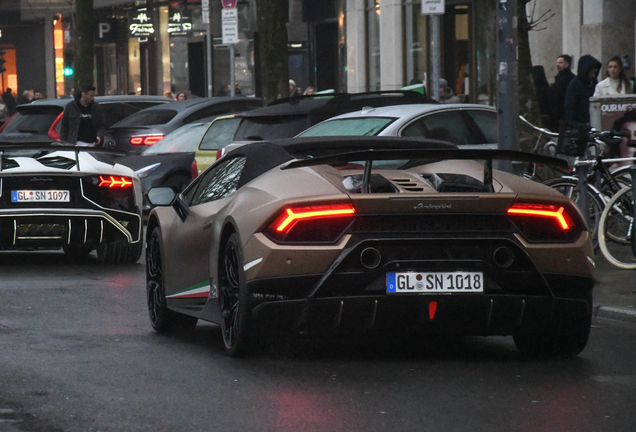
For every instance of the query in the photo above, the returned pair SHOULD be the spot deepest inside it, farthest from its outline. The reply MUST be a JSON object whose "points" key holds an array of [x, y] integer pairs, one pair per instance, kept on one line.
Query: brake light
{"points": [[114, 181], [542, 210], [194, 169], [545, 222], [145, 140], [53, 133], [311, 224]]}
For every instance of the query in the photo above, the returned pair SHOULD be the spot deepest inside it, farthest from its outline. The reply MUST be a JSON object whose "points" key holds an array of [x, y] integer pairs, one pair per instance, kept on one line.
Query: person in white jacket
{"points": [[616, 82]]}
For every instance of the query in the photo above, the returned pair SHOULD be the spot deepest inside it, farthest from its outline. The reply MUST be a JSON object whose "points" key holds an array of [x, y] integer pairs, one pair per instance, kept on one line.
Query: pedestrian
{"points": [[82, 121], [616, 82], [581, 89], [9, 101], [560, 86], [293, 89], [38, 95], [446, 95], [543, 92], [311, 90], [181, 96], [25, 98]]}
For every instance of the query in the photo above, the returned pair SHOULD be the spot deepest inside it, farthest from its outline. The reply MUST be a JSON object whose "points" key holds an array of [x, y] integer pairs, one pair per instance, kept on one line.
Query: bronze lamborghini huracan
{"points": [[368, 234]]}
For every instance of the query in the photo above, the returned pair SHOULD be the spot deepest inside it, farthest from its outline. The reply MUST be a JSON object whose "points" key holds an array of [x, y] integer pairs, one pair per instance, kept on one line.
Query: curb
{"points": [[615, 313]]}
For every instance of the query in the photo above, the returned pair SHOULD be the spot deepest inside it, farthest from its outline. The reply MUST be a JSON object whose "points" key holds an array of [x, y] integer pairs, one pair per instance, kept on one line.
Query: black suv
{"points": [[287, 117]]}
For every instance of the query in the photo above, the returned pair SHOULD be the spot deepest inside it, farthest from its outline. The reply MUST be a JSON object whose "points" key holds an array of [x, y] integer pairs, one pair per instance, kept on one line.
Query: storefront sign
{"points": [[140, 23], [179, 22], [229, 22], [432, 7], [104, 31]]}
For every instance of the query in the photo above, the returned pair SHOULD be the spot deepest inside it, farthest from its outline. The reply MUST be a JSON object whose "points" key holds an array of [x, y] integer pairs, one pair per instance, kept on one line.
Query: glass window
{"points": [[271, 127], [32, 121], [364, 126], [445, 126], [114, 112], [487, 123], [219, 182], [182, 140], [373, 53], [416, 43], [220, 133], [148, 117]]}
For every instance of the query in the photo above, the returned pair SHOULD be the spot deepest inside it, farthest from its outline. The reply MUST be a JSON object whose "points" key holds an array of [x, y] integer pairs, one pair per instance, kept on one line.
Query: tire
{"points": [[162, 319], [595, 205], [616, 228], [236, 328], [563, 336], [120, 253], [77, 252], [177, 182]]}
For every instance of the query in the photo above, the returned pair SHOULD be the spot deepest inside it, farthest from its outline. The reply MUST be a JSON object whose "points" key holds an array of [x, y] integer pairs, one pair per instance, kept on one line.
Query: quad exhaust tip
{"points": [[370, 258]]}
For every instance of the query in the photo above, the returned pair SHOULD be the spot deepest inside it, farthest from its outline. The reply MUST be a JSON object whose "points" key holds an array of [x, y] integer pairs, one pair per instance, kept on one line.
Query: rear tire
{"points": [[162, 319], [561, 337], [177, 182], [120, 253]]}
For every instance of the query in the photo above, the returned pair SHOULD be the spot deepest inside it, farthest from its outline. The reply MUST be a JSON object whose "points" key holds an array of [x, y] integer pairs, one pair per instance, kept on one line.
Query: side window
{"points": [[220, 134], [446, 126], [487, 122], [219, 182]]}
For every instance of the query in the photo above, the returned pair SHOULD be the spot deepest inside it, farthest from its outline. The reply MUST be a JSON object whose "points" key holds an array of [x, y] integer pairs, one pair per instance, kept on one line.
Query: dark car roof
{"points": [[99, 99]]}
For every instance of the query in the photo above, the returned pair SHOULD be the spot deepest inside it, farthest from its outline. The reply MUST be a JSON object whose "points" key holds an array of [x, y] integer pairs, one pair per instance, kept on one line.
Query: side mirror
{"points": [[161, 196]]}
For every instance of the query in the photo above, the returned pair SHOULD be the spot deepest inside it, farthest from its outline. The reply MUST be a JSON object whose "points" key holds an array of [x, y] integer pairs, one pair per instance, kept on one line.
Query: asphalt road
{"points": [[77, 354]]}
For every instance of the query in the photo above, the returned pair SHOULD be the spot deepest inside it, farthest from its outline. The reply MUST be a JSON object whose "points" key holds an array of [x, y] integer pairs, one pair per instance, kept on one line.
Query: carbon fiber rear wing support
{"points": [[368, 156]]}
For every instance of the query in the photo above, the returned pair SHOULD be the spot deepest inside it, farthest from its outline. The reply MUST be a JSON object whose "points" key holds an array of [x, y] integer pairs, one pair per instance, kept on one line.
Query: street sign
{"points": [[229, 25], [229, 4], [432, 7]]}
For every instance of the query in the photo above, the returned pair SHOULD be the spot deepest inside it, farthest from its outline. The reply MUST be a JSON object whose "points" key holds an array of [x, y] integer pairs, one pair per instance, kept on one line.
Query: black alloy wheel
{"points": [[233, 303], [157, 306]]}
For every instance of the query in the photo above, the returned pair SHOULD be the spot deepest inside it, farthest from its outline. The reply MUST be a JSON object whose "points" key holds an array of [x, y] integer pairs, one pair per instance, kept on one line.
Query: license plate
{"points": [[40, 196], [434, 282]]}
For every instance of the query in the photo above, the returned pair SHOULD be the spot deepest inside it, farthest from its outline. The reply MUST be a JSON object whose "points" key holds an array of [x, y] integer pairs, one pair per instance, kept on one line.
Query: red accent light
{"points": [[194, 168], [432, 308], [290, 215], [145, 140], [7, 121], [115, 181], [543, 210], [53, 133]]}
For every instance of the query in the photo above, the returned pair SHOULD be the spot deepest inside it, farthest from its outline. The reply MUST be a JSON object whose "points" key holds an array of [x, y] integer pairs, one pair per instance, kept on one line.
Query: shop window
{"points": [[373, 50], [416, 43]]}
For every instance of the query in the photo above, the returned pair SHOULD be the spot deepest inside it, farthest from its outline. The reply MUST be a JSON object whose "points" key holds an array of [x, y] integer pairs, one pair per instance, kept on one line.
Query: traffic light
{"points": [[68, 71], [68, 64], [2, 61]]}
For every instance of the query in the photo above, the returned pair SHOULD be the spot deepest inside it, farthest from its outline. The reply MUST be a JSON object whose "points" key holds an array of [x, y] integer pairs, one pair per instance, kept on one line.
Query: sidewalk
{"points": [[614, 295]]}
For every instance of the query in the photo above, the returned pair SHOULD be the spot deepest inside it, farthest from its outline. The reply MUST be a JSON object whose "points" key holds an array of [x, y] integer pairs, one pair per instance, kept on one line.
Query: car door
{"points": [[187, 266]]}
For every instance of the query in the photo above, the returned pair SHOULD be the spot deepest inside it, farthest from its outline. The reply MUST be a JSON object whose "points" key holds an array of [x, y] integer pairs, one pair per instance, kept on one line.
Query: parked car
{"points": [[39, 121], [170, 162], [291, 235], [74, 198], [143, 129], [285, 118], [469, 125], [220, 133]]}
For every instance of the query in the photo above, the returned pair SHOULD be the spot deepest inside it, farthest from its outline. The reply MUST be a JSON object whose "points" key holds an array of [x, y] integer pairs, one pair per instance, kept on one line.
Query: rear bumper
{"points": [[55, 228]]}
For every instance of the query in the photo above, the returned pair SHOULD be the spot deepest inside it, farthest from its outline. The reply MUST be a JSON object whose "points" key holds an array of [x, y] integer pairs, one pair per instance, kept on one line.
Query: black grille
{"points": [[57, 162]]}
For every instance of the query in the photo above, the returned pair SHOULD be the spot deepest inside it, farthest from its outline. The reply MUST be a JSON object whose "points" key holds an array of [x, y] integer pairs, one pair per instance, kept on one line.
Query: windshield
{"points": [[183, 140], [148, 118], [359, 126], [220, 133], [31, 122]]}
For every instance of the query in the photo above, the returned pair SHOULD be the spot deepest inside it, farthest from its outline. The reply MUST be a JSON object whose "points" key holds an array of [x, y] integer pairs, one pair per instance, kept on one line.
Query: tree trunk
{"points": [[528, 103], [272, 30], [84, 46]]}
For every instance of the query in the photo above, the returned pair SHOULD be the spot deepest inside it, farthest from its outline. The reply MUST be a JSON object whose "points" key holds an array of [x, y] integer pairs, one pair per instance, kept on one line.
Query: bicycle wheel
{"points": [[570, 188], [617, 230]]}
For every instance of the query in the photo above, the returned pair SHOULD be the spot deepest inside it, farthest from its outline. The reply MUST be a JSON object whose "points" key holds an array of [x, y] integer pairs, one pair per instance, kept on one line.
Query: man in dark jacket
{"points": [[558, 89], [82, 121], [9, 101], [581, 89]]}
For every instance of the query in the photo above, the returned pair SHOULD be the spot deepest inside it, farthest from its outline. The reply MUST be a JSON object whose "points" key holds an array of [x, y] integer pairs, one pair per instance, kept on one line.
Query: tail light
{"points": [[194, 169], [323, 223], [7, 121], [115, 182], [53, 133], [545, 222], [146, 139]]}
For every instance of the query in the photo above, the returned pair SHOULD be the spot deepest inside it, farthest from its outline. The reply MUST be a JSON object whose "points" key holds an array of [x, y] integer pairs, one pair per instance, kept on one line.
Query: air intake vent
{"points": [[9, 163], [57, 162], [377, 184], [455, 183]]}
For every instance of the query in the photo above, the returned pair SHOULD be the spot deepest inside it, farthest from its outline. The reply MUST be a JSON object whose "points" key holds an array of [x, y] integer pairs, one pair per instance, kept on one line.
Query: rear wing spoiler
{"points": [[368, 156], [54, 147]]}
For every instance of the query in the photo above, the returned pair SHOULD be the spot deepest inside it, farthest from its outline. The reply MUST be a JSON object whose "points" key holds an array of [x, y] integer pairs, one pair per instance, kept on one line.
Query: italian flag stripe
{"points": [[200, 290]]}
